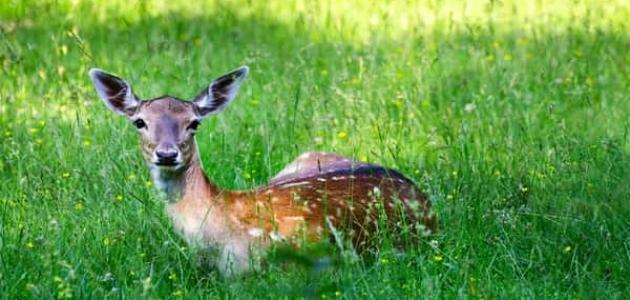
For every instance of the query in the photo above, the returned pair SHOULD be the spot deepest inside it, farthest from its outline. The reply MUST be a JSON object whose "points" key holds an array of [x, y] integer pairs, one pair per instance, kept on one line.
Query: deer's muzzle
{"points": [[167, 155]]}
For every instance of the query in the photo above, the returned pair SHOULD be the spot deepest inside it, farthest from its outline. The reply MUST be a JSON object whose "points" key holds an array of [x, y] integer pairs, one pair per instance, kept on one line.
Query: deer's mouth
{"points": [[168, 161], [167, 164]]}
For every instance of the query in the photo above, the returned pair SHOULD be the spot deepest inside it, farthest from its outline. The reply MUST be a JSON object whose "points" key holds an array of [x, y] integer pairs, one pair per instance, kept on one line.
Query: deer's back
{"points": [[331, 193]]}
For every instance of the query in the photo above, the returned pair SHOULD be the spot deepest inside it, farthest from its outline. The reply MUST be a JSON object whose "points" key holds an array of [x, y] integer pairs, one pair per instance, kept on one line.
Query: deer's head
{"points": [[166, 124]]}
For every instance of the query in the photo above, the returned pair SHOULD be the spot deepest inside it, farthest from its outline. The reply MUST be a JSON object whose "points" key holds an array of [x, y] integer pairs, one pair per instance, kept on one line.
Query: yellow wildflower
{"points": [[589, 81]]}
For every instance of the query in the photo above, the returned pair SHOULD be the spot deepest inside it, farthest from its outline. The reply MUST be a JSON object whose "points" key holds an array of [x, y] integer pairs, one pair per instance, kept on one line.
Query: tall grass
{"points": [[513, 117]]}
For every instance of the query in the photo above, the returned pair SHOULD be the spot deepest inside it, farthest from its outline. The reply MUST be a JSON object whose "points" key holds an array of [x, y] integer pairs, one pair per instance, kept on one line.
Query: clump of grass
{"points": [[512, 116]]}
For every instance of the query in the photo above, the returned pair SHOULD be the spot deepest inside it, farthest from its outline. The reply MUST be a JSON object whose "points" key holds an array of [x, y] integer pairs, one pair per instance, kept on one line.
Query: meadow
{"points": [[513, 116]]}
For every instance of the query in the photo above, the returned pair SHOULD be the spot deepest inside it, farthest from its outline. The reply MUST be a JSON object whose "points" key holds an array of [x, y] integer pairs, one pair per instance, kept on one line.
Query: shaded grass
{"points": [[517, 128]]}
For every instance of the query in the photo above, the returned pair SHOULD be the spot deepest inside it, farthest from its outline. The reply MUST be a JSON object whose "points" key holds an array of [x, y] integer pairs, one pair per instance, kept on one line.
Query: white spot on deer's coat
{"points": [[275, 236], [255, 232], [293, 218], [294, 184], [269, 192], [321, 179]]}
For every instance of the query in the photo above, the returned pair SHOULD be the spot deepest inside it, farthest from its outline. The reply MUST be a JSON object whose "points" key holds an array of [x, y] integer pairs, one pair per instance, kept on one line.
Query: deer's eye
{"points": [[139, 123], [193, 125]]}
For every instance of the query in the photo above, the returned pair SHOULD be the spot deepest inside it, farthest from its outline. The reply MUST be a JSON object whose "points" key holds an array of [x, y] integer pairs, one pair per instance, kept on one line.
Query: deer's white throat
{"points": [[169, 181]]}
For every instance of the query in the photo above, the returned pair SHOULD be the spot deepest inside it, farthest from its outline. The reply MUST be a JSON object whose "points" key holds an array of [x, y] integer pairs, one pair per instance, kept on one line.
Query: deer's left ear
{"points": [[220, 93], [115, 92]]}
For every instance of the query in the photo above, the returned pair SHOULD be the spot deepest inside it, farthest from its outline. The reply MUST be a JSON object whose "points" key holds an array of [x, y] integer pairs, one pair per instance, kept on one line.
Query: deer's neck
{"points": [[187, 181]]}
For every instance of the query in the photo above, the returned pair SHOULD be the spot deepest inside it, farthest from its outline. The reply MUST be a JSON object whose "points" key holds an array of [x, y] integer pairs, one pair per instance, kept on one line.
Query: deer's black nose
{"points": [[166, 156]]}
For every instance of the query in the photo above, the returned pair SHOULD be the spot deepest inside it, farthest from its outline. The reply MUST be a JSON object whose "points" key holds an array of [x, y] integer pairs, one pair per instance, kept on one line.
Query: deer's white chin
{"points": [[168, 167]]}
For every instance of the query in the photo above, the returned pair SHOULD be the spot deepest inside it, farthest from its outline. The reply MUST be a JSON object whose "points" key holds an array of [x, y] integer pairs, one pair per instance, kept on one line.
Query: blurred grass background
{"points": [[513, 116]]}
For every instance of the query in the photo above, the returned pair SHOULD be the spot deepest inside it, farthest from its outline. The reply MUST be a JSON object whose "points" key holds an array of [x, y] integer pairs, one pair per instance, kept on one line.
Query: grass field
{"points": [[514, 119]]}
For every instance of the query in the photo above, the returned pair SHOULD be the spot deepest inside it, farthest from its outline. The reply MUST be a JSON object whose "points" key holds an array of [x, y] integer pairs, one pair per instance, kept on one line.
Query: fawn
{"points": [[316, 196]]}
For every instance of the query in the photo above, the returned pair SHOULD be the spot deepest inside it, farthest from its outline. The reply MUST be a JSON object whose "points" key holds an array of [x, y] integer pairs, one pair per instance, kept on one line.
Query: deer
{"points": [[318, 196]]}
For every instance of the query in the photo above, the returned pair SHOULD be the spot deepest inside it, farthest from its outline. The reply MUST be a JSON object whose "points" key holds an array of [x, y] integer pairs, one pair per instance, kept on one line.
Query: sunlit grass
{"points": [[513, 116]]}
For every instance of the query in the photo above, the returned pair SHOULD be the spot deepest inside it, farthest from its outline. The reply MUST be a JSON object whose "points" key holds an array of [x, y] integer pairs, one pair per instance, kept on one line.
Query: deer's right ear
{"points": [[115, 92]]}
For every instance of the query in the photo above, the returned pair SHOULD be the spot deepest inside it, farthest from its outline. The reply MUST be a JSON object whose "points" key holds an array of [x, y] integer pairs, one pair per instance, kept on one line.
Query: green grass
{"points": [[515, 120]]}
